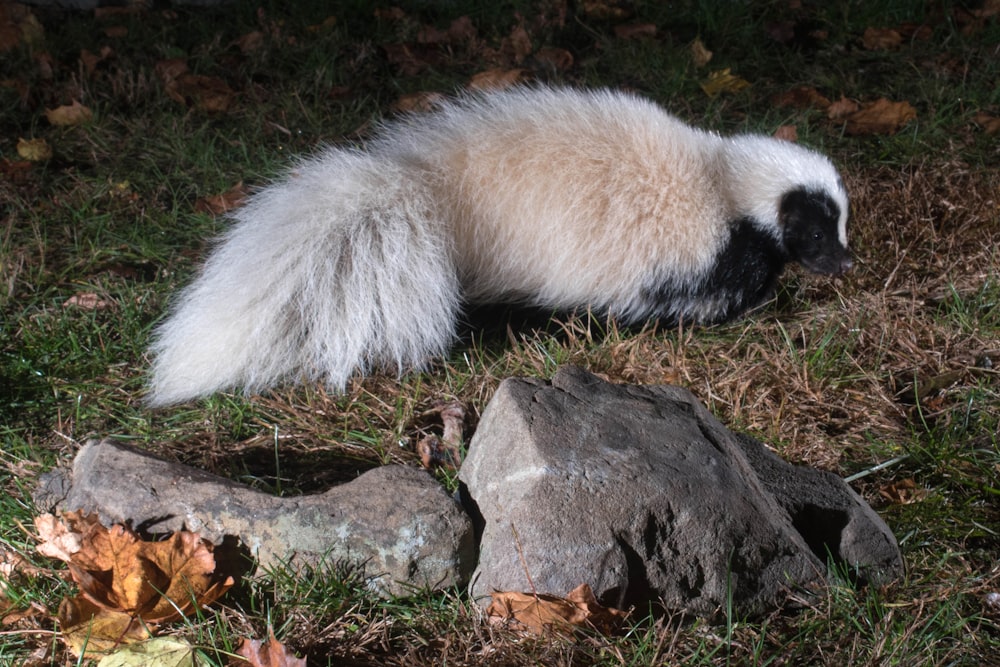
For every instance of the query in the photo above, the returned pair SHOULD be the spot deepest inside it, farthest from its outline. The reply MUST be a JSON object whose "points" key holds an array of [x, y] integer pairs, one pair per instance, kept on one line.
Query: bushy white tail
{"points": [[342, 267]]}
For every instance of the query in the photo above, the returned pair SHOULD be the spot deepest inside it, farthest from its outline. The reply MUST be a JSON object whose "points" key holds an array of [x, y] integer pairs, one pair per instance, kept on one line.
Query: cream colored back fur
{"points": [[361, 260]]}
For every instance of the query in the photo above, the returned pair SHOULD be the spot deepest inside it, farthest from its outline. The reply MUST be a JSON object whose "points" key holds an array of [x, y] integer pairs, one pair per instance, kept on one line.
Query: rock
{"points": [[641, 493], [395, 521]]}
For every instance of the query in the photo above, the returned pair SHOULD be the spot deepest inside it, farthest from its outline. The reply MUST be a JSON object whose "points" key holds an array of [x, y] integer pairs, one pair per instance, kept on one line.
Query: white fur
{"points": [[359, 261]]}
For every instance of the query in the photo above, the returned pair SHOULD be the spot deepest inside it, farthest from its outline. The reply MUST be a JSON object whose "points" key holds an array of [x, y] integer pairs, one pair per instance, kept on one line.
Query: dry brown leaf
{"points": [[324, 25], [842, 108], [635, 30], [86, 301], [270, 654], [419, 102], [517, 45], [205, 93], [116, 31], [72, 114], [445, 451], [989, 8], [496, 79], [881, 39], [880, 117], [18, 24], [554, 59], [58, 540], [787, 133], [34, 150], [90, 631], [989, 122], [699, 54], [547, 613], [250, 42], [903, 492], [220, 204], [606, 9], [168, 70], [801, 97], [127, 584], [723, 81]]}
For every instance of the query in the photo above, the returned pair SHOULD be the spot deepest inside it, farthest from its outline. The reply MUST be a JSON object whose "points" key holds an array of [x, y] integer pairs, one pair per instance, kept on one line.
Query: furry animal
{"points": [[363, 259]]}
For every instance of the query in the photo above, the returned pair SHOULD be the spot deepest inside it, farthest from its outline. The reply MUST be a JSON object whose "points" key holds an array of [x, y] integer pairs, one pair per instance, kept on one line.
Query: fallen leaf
{"points": [[250, 42], [90, 631], [801, 97], [699, 54], [72, 114], [547, 613], [635, 30], [16, 172], [989, 123], [517, 45], [206, 93], [116, 31], [34, 150], [326, 24], [156, 652], [881, 39], [606, 9], [87, 301], [787, 133], [127, 585], [271, 654], [168, 70], [554, 59], [58, 540], [880, 117], [904, 492], [842, 108], [419, 102], [496, 79], [18, 24], [723, 81], [445, 451], [220, 204]]}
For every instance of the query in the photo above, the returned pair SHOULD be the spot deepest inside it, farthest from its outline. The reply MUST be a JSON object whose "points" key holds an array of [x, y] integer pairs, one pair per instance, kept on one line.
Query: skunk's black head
{"points": [[814, 231]]}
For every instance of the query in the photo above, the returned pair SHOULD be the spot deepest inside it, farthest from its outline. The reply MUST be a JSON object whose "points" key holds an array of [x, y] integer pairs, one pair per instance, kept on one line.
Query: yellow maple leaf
{"points": [[723, 81], [34, 150]]}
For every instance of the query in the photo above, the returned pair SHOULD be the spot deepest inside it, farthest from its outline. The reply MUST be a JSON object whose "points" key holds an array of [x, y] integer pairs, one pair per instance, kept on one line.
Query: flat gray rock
{"points": [[641, 493], [395, 522]]}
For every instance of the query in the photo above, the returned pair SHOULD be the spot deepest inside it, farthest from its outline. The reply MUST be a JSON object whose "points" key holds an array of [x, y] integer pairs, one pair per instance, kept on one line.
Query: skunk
{"points": [[361, 260]]}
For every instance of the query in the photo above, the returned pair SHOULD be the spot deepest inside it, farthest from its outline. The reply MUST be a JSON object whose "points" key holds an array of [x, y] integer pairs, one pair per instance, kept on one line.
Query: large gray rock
{"points": [[641, 493], [395, 522]]}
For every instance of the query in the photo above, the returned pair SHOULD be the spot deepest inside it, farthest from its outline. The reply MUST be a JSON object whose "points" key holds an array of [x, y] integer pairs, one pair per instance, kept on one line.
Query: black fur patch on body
{"points": [[744, 274]]}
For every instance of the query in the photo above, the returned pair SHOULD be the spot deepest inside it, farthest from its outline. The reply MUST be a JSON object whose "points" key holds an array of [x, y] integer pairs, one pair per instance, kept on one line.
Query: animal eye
{"points": [[817, 236]]}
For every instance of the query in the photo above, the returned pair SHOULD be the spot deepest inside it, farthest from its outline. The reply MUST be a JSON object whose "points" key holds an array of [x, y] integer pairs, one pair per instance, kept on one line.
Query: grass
{"points": [[895, 362]]}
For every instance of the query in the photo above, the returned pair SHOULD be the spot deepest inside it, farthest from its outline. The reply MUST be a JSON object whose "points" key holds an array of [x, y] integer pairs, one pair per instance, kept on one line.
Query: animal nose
{"points": [[846, 264]]}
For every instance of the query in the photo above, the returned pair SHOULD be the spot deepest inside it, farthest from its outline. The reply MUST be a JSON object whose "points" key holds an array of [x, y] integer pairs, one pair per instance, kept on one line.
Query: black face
{"points": [[809, 223]]}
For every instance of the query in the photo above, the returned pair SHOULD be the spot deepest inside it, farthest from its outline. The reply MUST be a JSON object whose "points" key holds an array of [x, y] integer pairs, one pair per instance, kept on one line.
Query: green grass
{"points": [[896, 361]]}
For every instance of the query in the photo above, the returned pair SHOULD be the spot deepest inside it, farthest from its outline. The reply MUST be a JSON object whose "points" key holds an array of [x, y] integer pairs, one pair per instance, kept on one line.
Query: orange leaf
{"points": [[207, 93], [723, 81], [903, 492], [496, 79], [880, 39], [118, 571], [89, 630], [801, 97], [222, 203], [880, 117], [271, 654], [635, 30], [546, 613], [73, 114]]}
